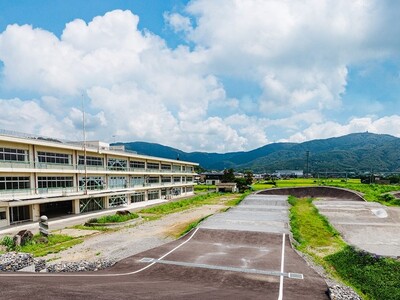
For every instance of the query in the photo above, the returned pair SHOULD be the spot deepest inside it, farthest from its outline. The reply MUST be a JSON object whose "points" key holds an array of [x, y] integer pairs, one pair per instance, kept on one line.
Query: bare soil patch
{"points": [[131, 240]]}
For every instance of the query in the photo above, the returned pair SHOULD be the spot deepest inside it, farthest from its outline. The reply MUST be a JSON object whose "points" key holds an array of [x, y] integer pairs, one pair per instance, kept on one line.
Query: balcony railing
{"points": [[56, 166], [20, 194]]}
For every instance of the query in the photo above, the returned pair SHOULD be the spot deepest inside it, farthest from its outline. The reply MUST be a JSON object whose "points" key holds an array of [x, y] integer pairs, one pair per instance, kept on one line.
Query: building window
{"points": [[92, 204], [90, 160], [177, 179], [165, 179], [153, 180], [176, 168], [3, 215], [153, 195], [117, 200], [189, 179], [189, 189], [137, 197], [116, 182], [54, 158], [153, 166], [52, 182], [135, 181], [165, 167], [14, 183], [93, 183], [117, 164], [137, 164], [8, 154]]}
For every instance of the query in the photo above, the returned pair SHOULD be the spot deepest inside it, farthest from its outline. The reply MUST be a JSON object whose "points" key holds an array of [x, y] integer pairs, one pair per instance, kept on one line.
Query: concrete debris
{"points": [[338, 292]]}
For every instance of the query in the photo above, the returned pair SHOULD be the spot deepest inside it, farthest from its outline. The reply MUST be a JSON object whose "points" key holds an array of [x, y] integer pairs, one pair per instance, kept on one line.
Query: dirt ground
{"points": [[131, 240]]}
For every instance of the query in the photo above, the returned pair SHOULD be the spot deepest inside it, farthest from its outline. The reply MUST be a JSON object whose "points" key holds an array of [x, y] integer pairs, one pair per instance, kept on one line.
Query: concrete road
{"points": [[368, 225], [244, 253]]}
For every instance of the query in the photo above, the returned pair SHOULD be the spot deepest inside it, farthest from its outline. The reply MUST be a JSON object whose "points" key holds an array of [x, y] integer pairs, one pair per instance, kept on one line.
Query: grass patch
{"points": [[372, 192], [236, 201], [176, 206], [55, 243], [204, 187], [373, 277], [114, 218], [193, 225], [311, 230]]}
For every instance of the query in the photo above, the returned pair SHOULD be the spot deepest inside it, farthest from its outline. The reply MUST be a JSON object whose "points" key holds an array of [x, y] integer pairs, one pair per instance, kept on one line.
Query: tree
{"points": [[248, 176], [228, 176]]}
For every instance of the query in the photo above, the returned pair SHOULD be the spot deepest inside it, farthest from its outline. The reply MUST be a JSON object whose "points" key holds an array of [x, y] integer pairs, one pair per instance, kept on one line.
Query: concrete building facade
{"points": [[45, 176]]}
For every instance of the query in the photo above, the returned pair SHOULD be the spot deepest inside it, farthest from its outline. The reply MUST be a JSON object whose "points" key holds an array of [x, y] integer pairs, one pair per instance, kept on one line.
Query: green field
{"points": [[371, 192]]}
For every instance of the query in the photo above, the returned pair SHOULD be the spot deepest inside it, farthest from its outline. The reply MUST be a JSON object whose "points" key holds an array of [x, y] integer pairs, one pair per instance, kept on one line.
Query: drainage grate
{"points": [[295, 276]]}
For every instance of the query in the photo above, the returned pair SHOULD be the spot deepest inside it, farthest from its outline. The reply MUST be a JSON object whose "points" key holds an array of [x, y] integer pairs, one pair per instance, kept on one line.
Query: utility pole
{"points": [[308, 157], [84, 146]]}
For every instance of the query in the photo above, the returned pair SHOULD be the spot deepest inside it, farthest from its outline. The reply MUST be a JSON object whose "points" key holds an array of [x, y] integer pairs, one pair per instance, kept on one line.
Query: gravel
{"points": [[14, 261], [339, 292], [80, 266]]}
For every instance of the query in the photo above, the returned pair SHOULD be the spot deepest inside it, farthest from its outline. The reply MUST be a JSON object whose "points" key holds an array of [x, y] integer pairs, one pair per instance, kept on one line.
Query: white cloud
{"points": [[387, 125], [136, 88]]}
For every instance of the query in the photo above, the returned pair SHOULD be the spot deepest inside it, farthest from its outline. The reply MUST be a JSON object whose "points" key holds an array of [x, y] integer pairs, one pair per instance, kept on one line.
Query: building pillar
{"points": [[106, 202], [35, 212], [5, 222], [76, 206], [146, 196]]}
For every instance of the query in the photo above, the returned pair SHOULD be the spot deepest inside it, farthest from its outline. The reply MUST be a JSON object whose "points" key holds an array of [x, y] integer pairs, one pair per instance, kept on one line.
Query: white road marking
{"points": [[280, 297], [99, 275]]}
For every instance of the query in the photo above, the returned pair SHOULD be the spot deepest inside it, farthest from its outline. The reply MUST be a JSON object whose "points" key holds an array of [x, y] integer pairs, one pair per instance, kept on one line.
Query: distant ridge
{"points": [[356, 152]]}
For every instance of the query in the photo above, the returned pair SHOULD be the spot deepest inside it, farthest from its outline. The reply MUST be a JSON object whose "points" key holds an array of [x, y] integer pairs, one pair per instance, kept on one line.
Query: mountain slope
{"points": [[353, 152]]}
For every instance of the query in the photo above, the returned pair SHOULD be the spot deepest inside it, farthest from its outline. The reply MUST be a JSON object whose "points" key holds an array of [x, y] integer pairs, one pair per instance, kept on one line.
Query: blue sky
{"points": [[200, 75]]}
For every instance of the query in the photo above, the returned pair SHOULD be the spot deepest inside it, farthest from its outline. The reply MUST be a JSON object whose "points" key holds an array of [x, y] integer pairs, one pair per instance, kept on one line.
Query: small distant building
{"points": [[288, 173], [213, 178], [227, 187]]}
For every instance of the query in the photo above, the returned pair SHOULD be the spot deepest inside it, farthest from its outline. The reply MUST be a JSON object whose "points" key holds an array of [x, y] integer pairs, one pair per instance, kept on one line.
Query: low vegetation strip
{"points": [[117, 218], [175, 206], [373, 277], [41, 246]]}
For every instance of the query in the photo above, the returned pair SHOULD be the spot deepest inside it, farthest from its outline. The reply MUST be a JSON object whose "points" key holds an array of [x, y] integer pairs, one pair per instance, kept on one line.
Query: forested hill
{"points": [[354, 152]]}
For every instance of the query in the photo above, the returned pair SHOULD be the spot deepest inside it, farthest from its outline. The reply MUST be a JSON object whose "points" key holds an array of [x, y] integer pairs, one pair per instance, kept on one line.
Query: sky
{"points": [[200, 75]]}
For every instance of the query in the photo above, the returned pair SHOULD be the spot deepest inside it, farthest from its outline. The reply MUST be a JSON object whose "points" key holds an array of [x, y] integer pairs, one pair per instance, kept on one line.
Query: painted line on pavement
{"points": [[98, 275], [280, 297]]}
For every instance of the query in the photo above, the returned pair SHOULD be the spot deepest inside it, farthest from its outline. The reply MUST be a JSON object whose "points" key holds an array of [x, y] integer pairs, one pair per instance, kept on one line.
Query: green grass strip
{"points": [[175, 206], [114, 218], [55, 243], [374, 276]]}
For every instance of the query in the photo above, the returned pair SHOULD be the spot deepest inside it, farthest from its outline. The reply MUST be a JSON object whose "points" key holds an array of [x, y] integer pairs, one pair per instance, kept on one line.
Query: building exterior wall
{"points": [[36, 173]]}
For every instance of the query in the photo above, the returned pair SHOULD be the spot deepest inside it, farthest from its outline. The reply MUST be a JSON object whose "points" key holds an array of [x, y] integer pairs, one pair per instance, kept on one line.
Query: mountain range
{"points": [[356, 152]]}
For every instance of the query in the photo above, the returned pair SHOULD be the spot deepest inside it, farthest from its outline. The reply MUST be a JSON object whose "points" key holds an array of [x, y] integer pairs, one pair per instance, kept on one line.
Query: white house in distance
{"points": [[288, 173], [46, 176]]}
